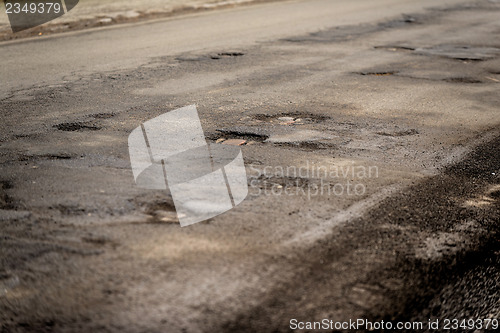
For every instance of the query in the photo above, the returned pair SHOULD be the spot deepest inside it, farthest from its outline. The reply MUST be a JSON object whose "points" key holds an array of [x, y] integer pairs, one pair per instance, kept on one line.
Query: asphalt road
{"points": [[28, 64], [403, 93]]}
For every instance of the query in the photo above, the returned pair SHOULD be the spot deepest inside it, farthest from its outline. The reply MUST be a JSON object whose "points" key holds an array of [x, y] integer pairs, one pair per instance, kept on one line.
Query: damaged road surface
{"points": [[370, 135]]}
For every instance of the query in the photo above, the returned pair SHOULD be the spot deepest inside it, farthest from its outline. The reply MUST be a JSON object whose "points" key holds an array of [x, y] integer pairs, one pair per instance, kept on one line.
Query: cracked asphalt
{"points": [[396, 100]]}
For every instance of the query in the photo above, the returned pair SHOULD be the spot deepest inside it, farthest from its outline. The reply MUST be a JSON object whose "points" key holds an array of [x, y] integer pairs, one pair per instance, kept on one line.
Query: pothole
{"points": [[395, 47], [162, 205], [151, 202], [6, 185], [279, 134], [160, 210], [381, 73], [76, 126], [101, 115], [226, 55], [295, 117], [407, 132], [60, 156], [215, 56], [57, 156], [494, 192], [230, 54], [244, 133], [462, 80], [6, 201]]}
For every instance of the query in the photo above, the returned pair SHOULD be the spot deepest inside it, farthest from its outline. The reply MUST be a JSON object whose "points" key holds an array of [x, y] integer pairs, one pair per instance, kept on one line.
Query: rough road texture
{"points": [[416, 96]]}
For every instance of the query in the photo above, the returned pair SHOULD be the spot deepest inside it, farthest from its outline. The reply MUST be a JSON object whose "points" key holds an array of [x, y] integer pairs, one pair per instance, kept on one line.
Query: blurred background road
{"points": [[91, 13], [131, 46], [408, 89]]}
